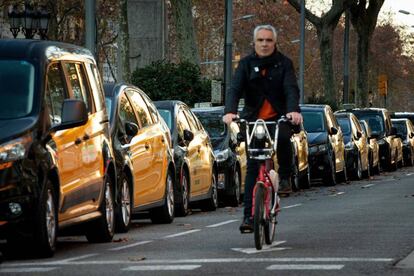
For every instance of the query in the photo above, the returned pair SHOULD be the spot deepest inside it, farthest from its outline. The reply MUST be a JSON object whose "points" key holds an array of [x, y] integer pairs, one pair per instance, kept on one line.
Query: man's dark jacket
{"points": [[278, 86]]}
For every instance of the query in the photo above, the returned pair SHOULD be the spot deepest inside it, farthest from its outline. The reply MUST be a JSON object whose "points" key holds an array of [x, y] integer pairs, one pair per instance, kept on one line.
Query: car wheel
{"points": [[123, 212], [46, 223], [305, 180], [182, 207], [165, 213], [211, 203], [235, 195], [102, 229], [411, 158], [329, 178], [358, 168]]}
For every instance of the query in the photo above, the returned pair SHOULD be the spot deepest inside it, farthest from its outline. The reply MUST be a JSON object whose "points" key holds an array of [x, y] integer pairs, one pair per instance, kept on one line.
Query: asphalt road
{"points": [[360, 228]]}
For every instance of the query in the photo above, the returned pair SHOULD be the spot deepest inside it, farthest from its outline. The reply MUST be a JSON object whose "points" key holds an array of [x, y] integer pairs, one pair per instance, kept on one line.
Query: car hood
{"points": [[347, 138], [316, 138], [10, 129], [219, 143]]}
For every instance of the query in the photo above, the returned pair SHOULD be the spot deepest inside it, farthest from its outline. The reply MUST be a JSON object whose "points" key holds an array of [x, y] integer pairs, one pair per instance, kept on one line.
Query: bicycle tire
{"points": [[270, 225], [258, 218]]}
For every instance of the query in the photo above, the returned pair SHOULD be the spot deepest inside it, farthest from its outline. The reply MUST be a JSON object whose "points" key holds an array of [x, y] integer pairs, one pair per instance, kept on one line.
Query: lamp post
{"points": [[346, 59], [302, 53], [30, 21]]}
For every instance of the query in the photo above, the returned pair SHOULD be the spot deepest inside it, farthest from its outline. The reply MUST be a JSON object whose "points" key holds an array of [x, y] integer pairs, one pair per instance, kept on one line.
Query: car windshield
{"points": [[401, 127], [345, 125], [16, 89], [313, 121], [166, 115], [213, 124], [375, 122]]}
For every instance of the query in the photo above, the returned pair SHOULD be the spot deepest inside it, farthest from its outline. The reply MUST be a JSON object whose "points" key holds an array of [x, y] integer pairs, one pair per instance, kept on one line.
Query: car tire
{"points": [[295, 177], [123, 210], [211, 203], [329, 179], [46, 223], [234, 198], [305, 180], [358, 168], [165, 213], [410, 159], [182, 206], [102, 228]]}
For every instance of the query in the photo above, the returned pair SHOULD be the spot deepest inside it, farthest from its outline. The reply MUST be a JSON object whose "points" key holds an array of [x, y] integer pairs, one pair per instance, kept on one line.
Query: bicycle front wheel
{"points": [[259, 217], [270, 224]]}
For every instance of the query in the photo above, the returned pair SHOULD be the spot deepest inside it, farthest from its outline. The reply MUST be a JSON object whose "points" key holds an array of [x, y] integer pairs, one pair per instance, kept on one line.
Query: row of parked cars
{"points": [[78, 156]]}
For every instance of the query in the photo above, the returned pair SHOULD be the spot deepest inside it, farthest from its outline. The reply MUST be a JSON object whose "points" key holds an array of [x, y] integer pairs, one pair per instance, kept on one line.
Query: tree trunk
{"points": [[325, 36], [124, 70], [362, 67], [186, 38]]}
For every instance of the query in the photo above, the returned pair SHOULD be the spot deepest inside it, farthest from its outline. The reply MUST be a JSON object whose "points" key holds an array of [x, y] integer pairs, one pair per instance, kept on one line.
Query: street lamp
{"points": [[29, 21]]}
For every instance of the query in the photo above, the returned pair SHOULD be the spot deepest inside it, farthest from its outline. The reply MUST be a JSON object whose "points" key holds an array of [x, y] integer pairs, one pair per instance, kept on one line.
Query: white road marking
{"points": [[292, 206], [222, 223], [161, 267], [129, 245], [203, 261], [181, 234], [266, 248], [304, 267], [368, 185], [338, 193], [27, 269], [73, 259], [408, 174]]}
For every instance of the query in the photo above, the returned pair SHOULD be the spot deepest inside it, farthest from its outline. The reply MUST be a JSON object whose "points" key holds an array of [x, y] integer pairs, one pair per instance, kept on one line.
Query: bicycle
{"points": [[266, 202]]}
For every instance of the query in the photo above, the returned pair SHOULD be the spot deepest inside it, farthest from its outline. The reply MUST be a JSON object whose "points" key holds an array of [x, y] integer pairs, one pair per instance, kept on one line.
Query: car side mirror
{"points": [[188, 135], [358, 134], [333, 130], [74, 114], [131, 129]]}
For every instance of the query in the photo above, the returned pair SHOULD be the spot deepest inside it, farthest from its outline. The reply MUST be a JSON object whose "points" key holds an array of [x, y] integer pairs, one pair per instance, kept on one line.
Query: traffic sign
{"points": [[382, 85]]}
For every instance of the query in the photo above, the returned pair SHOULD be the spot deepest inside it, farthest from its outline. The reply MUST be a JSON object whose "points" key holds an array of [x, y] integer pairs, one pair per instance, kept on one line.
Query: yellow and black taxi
{"points": [[326, 143], [379, 121], [196, 168], [56, 164], [405, 130], [374, 161], [356, 145], [144, 161], [230, 154], [301, 178]]}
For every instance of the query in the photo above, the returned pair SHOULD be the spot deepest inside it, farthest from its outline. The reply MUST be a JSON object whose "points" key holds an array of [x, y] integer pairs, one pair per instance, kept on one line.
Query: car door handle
{"points": [[86, 137], [78, 141]]}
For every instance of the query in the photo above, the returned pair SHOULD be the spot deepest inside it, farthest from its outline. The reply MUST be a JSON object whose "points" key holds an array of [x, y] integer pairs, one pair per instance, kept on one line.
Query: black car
{"points": [[144, 161], [230, 155], [379, 121], [405, 130], [403, 115], [196, 167], [356, 145], [326, 143]]}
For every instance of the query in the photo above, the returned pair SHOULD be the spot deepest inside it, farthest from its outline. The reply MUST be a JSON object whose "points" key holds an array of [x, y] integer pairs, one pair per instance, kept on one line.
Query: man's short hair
{"points": [[264, 27]]}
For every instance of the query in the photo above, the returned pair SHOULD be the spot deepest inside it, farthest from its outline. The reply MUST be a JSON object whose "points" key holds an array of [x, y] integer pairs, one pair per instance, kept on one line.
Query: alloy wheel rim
{"points": [[125, 202], [185, 191], [214, 190], [109, 205], [170, 195], [237, 184], [50, 218]]}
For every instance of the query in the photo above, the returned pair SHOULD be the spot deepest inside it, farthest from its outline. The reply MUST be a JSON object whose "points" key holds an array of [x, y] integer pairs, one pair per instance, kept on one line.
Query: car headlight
{"points": [[222, 155], [349, 145], [381, 142], [260, 132], [15, 149], [318, 148]]}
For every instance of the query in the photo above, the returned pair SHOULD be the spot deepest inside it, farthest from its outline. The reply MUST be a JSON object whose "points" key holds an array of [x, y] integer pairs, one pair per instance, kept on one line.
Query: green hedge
{"points": [[163, 80]]}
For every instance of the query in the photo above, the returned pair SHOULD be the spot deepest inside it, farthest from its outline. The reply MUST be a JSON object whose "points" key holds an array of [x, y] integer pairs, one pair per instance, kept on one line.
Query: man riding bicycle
{"points": [[267, 81]]}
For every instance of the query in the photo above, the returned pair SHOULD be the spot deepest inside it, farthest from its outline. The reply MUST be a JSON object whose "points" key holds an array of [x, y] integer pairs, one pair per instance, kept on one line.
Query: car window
{"points": [[96, 86], [166, 116], [212, 123], [77, 80], [375, 122], [126, 112], [151, 108], [191, 120], [140, 107], [345, 125], [313, 121], [401, 127], [55, 92], [16, 88]]}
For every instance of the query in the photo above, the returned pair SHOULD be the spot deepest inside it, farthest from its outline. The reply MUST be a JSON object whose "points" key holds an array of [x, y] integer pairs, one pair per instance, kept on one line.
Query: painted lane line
{"points": [[266, 248], [337, 194], [161, 267], [181, 234], [222, 223], [27, 270], [205, 261], [129, 245], [304, 267], [292, 206], [408, 174], [73, 259], [368, 185]]}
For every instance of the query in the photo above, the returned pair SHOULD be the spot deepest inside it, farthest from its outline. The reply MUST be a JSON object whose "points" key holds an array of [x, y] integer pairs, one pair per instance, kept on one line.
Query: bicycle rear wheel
{"points": [[270, 225], [259, 216]]}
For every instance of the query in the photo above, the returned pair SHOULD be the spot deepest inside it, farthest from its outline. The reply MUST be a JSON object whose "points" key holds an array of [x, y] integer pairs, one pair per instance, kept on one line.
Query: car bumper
{"points": [[225, 175], [318, 163]]}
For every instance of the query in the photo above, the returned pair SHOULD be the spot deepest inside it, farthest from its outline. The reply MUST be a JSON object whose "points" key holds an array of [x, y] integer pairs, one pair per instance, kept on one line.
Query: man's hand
{"points": [[228, 118], [295, 117]]}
